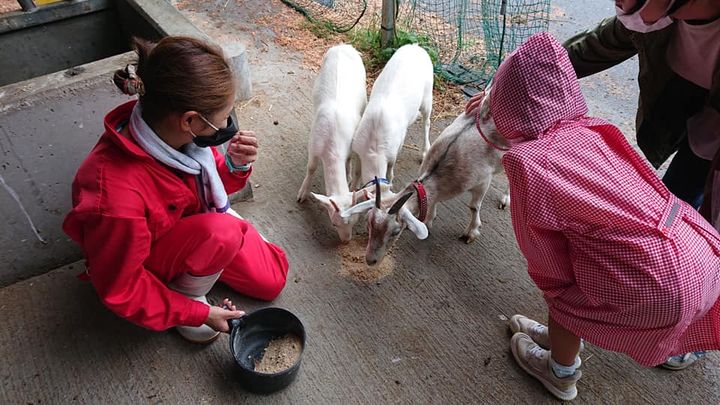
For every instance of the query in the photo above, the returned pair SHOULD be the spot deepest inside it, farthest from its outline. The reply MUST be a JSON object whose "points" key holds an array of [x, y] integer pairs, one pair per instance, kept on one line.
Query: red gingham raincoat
{"points": [[622, 263]]}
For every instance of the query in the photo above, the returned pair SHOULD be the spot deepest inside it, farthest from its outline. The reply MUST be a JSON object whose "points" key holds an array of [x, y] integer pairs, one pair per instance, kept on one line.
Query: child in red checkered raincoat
{"points": [[621, 262]]}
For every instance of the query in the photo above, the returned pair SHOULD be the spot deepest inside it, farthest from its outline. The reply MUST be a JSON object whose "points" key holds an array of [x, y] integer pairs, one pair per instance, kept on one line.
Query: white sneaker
{"points": [[536, 361], [682, 361], [202, 334], [195, 288], [537, 331]]}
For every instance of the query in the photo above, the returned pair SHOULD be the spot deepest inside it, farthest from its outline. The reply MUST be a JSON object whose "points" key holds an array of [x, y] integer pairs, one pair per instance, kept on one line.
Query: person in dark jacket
{"points": [[679, 79]]}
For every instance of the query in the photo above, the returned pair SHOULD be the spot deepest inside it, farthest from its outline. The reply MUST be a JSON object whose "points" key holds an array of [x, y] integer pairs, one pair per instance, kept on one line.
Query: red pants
{"points": [[204, 244]]}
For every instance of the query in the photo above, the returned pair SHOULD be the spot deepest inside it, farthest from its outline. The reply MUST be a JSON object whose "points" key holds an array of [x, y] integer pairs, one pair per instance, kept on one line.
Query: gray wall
{"points": [[47, 48], [43, 139]]}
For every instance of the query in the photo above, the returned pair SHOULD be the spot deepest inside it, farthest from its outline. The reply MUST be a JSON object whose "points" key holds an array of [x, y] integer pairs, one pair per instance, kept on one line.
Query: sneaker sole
{"points": [[562, 395], [515, 328], [676, 368], [201, 342], [515, 324]]}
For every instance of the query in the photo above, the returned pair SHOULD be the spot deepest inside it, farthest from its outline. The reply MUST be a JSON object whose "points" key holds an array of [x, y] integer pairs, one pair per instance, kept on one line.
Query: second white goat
{"points": [[403, 89]]}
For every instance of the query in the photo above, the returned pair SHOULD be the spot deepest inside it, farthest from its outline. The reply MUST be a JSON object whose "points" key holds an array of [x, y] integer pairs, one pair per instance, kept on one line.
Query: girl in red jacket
{"points": [[150, 202]]}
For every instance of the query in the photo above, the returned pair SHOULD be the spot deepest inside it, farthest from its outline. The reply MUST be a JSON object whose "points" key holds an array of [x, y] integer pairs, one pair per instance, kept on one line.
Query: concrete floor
{"points": [[432, 331]]}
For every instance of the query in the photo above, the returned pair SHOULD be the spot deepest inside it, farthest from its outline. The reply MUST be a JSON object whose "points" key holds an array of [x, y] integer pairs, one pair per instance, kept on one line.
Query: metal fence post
{"points": [[27, 5]]}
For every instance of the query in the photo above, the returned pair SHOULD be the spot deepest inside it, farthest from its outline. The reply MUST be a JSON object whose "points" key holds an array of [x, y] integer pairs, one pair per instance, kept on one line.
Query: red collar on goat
{"points": [[422, 200], [491, 143]]}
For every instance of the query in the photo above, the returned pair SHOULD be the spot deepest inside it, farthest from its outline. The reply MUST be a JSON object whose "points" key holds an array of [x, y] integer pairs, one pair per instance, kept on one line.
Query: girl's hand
{"points": [[218, 317], [474, 102], [243, 148]]}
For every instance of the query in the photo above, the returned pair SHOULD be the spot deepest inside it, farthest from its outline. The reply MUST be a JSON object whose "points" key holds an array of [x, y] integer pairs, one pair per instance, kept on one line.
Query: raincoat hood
{"points": [[534, 90]]}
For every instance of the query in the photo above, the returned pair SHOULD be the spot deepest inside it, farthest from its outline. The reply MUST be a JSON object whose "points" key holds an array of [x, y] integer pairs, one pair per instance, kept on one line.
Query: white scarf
{"points": [[191, 159]]}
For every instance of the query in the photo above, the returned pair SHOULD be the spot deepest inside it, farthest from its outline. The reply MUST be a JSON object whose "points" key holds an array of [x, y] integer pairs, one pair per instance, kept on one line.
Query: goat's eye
{"points": [[395, 232]]}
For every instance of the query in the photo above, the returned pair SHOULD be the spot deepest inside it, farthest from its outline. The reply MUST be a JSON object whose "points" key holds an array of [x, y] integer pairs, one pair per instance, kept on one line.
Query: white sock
{"points": [[561, 371]]}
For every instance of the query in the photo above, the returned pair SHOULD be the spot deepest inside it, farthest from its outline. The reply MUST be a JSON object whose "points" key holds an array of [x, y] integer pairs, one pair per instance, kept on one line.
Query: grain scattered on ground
{"points": [[352, 256]]}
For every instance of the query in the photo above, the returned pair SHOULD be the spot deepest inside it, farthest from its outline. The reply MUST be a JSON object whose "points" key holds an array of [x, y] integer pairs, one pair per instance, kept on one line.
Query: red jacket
{"points": [[124, 200]]}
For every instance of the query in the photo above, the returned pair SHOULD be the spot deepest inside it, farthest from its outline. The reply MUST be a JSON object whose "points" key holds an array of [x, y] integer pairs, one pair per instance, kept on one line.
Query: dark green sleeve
{"points": [[600, 48]]}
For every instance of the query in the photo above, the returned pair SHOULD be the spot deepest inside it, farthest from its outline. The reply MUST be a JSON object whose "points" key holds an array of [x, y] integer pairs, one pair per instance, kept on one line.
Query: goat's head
{"points": [[386, 225], [335, 206]]}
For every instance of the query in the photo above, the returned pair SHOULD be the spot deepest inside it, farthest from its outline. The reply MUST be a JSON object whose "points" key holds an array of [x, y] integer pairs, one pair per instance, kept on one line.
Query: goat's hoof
{"points": [[470, 237], [467, 239], [504, 203]]}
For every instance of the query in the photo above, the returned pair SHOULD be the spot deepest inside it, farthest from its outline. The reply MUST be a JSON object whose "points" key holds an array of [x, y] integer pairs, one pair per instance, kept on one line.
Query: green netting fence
{"points": [[470, 37]]}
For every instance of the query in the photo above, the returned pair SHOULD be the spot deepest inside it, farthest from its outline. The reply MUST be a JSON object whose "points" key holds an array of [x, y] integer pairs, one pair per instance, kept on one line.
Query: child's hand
{"points": [[243, 148], [218, 317], [474, 102]]}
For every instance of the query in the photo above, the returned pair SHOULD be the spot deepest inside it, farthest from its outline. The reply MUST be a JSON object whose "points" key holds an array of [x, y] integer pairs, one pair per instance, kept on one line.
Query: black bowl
{"points": [[250, 335]]}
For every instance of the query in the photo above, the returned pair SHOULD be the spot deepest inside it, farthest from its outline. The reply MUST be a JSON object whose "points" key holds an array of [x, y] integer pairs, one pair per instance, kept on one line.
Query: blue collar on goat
{"points": [[376, 181]]}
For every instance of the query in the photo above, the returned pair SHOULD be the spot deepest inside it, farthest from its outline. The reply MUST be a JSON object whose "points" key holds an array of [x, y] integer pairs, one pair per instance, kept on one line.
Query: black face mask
{"points": [[220, 136]]}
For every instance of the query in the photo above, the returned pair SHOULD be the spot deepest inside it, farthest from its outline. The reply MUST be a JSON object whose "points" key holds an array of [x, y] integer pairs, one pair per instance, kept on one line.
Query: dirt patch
{"points": [[292, 30], [353, 263], [7, 6], [279, 355]]}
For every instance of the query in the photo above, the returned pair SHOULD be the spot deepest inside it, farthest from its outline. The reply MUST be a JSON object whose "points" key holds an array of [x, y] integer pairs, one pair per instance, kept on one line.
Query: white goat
{"points": [[458, 161], [403, 88], [339, 97]]}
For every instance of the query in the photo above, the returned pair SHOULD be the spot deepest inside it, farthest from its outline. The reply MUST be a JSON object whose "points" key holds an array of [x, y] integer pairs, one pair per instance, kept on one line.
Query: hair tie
{"points": [[134, 83], [131, 83]]}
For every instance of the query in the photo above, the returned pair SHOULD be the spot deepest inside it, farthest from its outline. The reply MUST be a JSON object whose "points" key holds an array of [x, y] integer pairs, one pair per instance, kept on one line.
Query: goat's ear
{"points": [[358, 209], [414, 224], [399, 203], [323, 199], [378, 194], [485, 105]]}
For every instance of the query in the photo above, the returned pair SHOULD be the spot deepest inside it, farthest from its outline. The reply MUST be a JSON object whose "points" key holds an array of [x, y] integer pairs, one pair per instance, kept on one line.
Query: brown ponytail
{"points": [[177, 74]]}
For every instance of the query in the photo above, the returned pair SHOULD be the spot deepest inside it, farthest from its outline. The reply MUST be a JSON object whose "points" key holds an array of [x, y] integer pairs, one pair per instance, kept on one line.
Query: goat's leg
{"points": [[390, 170], [425, 111], [305, 188], [478, 194], [348, 173], [505, 200], [356, 172], [432, 213]]}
